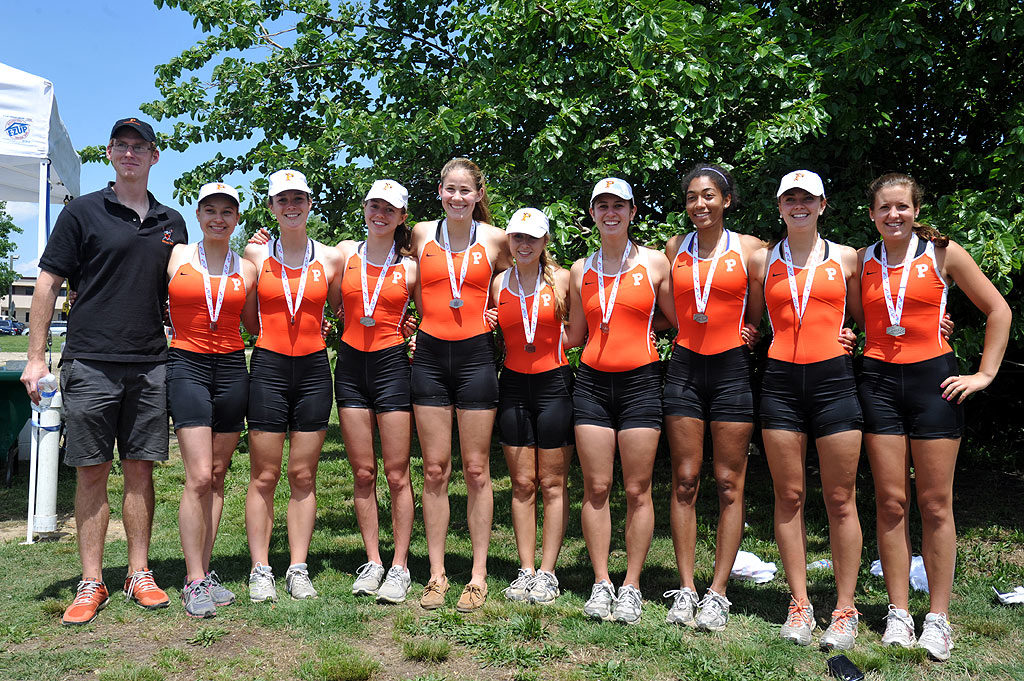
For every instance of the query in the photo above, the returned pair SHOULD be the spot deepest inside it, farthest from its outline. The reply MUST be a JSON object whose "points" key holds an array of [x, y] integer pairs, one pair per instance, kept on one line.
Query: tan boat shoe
{"points": [[472, 598], [433, 593]]}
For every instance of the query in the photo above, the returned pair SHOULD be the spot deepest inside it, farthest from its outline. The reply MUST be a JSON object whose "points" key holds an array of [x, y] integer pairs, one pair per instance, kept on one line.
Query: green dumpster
{"points": [[14, 408]]}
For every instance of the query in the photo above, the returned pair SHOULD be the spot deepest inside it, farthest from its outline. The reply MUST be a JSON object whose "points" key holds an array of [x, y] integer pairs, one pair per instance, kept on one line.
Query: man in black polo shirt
{"points": [[112, 247]]}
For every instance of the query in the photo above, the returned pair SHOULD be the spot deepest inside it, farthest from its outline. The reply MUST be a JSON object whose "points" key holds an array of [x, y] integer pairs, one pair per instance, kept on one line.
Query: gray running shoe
{"points": [[936, 636], [628, 604], [196, 599], [544, 588], [842, 630], [799, 623], [369, 576], [684, 606], [396, 585], [261, 584], [297, 581], [219, 594], [520, 586], [602, 598], [714, 612], [899, 628]]}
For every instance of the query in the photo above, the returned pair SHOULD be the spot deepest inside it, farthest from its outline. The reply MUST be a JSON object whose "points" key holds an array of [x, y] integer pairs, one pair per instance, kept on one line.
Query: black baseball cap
{"points": [[144, 129]]}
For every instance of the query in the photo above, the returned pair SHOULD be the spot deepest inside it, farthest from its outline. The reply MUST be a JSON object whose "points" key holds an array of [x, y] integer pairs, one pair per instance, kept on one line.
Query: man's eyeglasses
{"points": [[137, 149]]}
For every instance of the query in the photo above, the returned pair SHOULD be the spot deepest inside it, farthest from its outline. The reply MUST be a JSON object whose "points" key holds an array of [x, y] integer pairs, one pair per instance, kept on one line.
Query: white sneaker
{"points": [[544, 588], [842, 630], [396, 585], [262, 586], [684, 606], [936, 636], [369, 576], [628, 605], [799, 623], [520, 586], [714, 612], [602, 597], [899, 628], [298, 583]]}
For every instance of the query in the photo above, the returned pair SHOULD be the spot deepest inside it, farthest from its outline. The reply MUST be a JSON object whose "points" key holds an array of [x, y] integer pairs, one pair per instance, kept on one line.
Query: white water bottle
{"points": [[47, 387]]}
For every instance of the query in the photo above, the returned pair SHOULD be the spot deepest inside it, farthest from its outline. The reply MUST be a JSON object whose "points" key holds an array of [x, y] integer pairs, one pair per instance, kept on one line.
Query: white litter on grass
{"points": [[918, 577], [1015, 597], [750, 568]]}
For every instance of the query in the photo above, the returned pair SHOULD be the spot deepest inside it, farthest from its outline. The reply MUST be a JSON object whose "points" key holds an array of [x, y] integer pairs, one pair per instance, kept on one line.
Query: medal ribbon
{"points": [[701, 296], [606, 311], [214, 310], [456, 286], [812, 264], [530, 326], [293, 305], [896, 310], [370, 304]]}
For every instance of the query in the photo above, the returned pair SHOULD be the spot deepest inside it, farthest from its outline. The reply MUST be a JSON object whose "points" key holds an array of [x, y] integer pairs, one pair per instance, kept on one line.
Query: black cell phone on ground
{"points": [[841, 668]]}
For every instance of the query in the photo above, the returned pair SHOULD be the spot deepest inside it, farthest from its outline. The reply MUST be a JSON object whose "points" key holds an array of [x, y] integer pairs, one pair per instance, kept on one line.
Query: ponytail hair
{"points": [[482, 209], [923, 231], [403, 239], [548, 267]]}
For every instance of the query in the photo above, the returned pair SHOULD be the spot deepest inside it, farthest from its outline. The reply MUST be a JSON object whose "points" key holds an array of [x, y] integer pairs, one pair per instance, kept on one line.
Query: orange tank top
{"points": [[817, 337], [277, 333], [548, 352], [924, 305], [190, 317], [388, 311], [726, 300], [627, 343], [440, 320]]}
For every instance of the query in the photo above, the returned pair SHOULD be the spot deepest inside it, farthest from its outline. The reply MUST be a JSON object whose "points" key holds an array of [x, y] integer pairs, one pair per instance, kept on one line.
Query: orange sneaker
{"points": [[140, 588], [91, 597]]}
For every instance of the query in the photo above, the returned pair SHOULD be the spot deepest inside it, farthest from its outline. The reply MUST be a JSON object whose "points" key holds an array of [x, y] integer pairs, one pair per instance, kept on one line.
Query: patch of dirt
{"points": [[66, 530]]}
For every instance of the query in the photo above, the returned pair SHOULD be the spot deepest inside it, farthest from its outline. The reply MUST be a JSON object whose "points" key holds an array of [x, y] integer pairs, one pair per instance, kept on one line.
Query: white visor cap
{"points": [[390, 191], [214, 188], [528, 221], [802, 179], [283, 180]]}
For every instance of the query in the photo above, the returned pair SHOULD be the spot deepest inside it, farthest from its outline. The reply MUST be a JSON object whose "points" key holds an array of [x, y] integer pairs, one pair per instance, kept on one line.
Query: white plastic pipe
{"points": [[32, 464], [46, 476]]}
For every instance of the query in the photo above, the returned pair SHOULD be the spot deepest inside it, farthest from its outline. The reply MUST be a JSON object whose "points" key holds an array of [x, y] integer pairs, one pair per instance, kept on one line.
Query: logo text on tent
{"points": [[17, 128]]}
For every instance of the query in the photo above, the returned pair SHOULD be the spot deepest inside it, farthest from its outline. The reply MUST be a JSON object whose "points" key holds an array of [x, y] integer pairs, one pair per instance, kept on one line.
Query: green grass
{"points": [[15, 344], [340, 636]]}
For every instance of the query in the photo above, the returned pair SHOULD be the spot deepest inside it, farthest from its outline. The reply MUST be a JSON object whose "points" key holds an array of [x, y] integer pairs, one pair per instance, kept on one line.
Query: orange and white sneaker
{"points": [[91, 597], [140, 588]]}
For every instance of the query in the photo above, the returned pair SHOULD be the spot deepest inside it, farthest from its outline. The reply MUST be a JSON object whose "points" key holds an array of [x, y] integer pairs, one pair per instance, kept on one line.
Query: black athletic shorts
{"points": [[209, 390], [709, 387], [905, 399], [289, 393], [106, 402], [460, 372], [819, 398], [535, 410], [618, 399], [377, 380]]}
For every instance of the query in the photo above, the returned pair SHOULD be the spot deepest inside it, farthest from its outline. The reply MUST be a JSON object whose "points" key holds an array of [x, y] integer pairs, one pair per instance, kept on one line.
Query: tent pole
{"points": [[43, 230]]}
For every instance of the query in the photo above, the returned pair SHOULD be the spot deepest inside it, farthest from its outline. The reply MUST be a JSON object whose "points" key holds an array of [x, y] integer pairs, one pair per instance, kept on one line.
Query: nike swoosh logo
{"points": [[428, 255], [870, 271], [777, 274], [182, 274]]}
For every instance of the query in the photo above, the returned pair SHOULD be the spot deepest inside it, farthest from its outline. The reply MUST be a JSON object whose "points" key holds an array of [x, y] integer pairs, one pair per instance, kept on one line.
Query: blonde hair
{"points": [[482, 209]]}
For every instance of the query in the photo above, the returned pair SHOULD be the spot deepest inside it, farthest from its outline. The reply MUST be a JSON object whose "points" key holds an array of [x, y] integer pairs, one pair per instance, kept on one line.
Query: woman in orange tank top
{"points": [[810, 286], [290, 383], [918, 422], [535, 401], [210, 291], [453, 372], [708, 385], [617, 404], [372, 381]]}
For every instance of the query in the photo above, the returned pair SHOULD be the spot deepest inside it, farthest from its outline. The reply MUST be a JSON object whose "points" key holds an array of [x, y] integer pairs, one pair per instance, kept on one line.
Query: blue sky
{"points": [[100, 56]]}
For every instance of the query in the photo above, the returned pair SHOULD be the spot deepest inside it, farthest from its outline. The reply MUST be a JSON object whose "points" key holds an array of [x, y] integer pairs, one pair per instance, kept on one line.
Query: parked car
{"points": [[8, 328], [58, 328]]}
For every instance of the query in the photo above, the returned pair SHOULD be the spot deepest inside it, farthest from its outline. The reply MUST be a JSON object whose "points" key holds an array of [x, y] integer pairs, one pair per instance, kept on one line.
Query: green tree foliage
{"points": [[7, 247], [549, 96]]}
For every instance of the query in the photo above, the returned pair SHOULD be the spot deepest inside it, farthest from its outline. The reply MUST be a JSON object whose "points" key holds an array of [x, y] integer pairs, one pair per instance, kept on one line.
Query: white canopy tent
{"points": [[38, 163]]}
